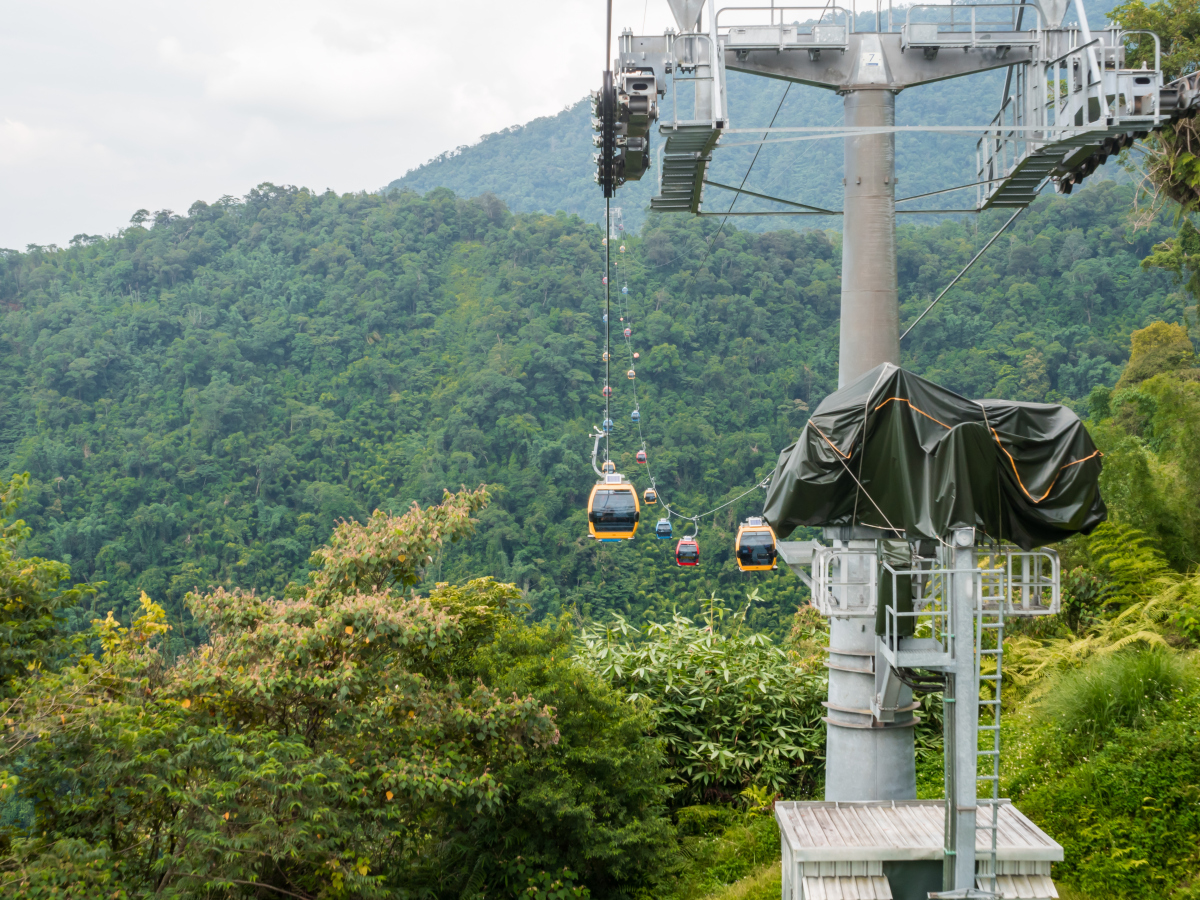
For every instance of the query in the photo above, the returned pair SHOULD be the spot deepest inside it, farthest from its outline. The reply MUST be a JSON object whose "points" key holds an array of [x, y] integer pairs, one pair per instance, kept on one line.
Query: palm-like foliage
{"points": [[733, 710]]}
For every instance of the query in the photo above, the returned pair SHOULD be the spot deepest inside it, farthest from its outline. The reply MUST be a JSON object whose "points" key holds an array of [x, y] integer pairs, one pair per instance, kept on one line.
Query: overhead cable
{"points": [[982, 250]]}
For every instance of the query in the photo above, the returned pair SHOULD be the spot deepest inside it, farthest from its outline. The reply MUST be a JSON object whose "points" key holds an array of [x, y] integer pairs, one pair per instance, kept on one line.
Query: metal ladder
{"points": [[989, 625]]}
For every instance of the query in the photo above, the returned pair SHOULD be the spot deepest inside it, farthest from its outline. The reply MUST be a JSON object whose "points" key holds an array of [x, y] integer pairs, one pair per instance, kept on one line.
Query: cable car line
{"points": [[625, 311], [613, 511]]}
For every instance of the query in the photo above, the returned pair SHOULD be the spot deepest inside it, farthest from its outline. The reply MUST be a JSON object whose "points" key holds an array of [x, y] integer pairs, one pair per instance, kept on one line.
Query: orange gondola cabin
{"points": [[613, 510], [755, 548]]}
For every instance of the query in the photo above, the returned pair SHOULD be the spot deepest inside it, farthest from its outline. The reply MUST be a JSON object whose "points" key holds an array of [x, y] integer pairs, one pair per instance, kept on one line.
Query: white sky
{"points": [[109, 106]]}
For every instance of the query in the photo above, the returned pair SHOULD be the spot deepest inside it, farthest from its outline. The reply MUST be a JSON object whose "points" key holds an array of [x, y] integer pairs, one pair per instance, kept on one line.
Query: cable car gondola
{"points": [[635, 416], [609, 467], [641, 457], [607, 425], [755, 546], [663, 529], [687, 552], [613, 510], [650, 496]]}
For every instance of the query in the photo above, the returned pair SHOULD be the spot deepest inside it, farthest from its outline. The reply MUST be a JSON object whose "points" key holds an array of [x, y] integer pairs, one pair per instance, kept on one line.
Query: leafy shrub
{"points": [[338, 742], [1127, 813], [1088, 705], [732, 709], [34, 598], [1083, 596], [720, 857], [593, 800], [706, 819]]}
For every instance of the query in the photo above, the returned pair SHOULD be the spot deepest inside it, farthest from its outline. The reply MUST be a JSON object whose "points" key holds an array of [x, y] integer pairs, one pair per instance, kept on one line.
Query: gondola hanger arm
{"points": [[599, 436]]}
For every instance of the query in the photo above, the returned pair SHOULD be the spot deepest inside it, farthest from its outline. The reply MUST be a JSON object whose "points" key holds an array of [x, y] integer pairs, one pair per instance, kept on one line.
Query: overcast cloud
{"points": [[108, 107]]}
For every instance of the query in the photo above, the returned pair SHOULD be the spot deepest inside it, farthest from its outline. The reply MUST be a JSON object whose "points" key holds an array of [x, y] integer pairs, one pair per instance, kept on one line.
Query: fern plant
{"points": [[1149, 599]]}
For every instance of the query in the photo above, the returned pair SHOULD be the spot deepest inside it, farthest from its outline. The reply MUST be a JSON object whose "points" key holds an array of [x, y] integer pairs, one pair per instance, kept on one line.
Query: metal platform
{"points": [[1069, 102], [1065, 113]]}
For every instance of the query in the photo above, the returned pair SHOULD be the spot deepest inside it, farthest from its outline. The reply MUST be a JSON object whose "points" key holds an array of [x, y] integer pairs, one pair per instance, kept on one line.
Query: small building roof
{"points": [[900, 830], [847, 887]]}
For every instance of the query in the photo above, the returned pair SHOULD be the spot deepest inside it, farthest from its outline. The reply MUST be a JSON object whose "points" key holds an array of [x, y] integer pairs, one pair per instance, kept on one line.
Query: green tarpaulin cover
{"points": [[897, 452]]}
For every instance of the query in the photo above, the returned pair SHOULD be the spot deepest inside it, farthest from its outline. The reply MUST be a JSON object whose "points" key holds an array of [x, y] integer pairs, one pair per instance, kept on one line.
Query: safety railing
{"points": [[1072, 90], [693, 59], [1007, 581], [917, 631], [811, 27], [1020, 582], [844, 581], [960, 26]]}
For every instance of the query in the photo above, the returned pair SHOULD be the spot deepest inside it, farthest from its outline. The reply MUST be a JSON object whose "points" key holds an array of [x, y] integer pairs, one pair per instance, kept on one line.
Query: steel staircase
{"points": [[686, 156]]}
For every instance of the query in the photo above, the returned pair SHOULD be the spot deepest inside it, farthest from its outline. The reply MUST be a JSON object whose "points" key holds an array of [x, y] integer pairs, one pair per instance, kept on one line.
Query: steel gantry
{"points": [[1068, 103]]}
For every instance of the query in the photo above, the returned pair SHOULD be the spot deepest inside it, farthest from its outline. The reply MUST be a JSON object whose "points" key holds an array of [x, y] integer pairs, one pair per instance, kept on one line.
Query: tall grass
{"points": [[1120, 690]]}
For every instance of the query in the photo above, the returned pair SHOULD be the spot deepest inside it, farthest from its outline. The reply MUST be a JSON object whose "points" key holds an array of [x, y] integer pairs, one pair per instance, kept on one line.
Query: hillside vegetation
{"points": [[199, 398]]}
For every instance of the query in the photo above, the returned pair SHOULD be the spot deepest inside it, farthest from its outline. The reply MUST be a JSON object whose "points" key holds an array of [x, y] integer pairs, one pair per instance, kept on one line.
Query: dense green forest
{"points": [[199, 398], [296, 597], [358, 739]]}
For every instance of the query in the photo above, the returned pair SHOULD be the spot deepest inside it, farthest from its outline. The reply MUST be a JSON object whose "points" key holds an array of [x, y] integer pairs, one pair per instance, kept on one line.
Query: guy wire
{"points": [[745, 178], [954, 281]]}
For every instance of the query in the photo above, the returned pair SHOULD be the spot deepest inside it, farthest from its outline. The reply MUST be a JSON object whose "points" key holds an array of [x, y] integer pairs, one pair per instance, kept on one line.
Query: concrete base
{"points": [[870, 764], [864, 759]]}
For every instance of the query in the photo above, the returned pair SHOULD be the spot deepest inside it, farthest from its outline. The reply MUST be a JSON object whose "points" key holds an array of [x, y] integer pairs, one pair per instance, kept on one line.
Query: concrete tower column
{"points": [[870, 327], [866, 759]]}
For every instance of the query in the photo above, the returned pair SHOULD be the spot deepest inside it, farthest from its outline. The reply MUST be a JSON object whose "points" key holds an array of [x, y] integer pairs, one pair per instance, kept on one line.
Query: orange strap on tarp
{"points": [[1012, 462], [913, 408], [828, 441]]}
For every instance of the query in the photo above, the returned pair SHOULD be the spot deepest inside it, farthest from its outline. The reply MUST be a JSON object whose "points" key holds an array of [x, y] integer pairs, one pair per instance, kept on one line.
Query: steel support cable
{"points": [[607, 264], [742, 190], [707, 253], [626, 313], [608, 312], [607, 334], [982, 250], [745, 178], [653, 481]]}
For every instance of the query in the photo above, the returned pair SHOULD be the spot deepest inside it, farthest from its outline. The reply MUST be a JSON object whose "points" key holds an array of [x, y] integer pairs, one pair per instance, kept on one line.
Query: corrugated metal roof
{"points": [[847, 887], [899, 830], [1021, 887]]}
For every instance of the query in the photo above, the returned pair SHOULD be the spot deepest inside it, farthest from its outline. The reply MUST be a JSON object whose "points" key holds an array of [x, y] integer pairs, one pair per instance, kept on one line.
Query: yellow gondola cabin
{"points": [[613, 510], [755, 548]]}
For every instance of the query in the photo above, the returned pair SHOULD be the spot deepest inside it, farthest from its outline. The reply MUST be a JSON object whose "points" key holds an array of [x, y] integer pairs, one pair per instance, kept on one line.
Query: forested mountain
{"points": [[200, 397], [546, 165]]}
